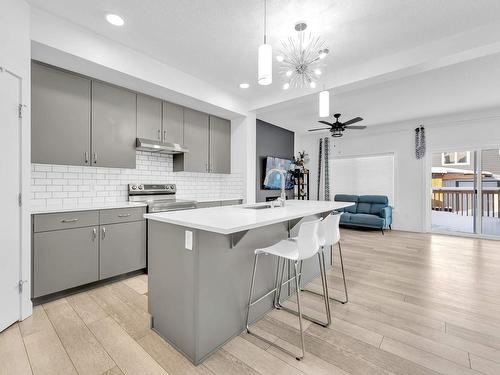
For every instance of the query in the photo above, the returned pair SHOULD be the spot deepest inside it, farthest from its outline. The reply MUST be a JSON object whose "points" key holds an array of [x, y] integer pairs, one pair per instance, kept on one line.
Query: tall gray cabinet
{"points": [[220, 145], [196, 139], [173, 123], [60, 116], [149, 112], [114, 126]]}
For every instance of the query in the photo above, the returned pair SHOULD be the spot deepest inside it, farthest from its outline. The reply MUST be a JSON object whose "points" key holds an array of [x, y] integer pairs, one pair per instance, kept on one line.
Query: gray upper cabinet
{"points": [[60, 117], [220, 145], [173, 123], [114, 126], [149, 117], [196, 126]]}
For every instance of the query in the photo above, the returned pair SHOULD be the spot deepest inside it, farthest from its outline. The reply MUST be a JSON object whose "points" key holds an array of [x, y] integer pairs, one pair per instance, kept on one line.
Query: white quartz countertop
{"points": [[86, 207], [232, 219]]}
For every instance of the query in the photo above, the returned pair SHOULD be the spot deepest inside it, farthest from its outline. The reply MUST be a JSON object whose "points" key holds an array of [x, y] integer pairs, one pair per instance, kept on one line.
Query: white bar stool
{"points": [[307, 245], [331, 237]]}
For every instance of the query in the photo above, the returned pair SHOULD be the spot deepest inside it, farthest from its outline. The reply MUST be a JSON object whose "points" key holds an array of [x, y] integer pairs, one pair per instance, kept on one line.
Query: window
{"points": [[363, 175], [455, 158]]}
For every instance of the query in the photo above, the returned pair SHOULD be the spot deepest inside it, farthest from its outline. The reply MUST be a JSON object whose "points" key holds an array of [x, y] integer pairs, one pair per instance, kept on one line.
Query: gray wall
{"points": [[271, 141]]}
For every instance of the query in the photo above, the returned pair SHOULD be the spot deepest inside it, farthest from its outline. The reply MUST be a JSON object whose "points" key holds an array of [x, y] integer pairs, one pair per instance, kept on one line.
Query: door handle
{"points": [[159, 134], [86, 157], [124, 215], [94, 234], [103, 230], [95, 157], [69, 220], [164, 135]]}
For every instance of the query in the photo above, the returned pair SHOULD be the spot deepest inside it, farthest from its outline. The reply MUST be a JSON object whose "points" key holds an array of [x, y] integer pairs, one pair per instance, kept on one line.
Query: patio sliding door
{"points": [[466, 191], [454, 189]]}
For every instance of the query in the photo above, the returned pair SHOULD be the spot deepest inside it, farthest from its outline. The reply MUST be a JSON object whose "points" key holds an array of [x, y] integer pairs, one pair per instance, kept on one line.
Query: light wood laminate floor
{"points": [[419, 304]]}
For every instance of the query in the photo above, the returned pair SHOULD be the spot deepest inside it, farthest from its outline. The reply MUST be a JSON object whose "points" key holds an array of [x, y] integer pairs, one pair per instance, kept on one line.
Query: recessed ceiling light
{"points": [[244, 85], [115, 19], [280, 58]]}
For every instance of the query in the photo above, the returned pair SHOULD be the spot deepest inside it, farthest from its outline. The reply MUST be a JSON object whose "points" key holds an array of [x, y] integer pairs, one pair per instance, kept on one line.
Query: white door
{"points": [[10, 218]]}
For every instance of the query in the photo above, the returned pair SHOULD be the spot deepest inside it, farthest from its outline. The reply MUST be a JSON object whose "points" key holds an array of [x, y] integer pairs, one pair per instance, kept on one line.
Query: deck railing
{"points": [[460, 201]]}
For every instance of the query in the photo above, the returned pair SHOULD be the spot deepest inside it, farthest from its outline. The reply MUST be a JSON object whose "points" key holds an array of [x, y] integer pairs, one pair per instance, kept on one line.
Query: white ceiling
{"points": [[217, 41], [458, 88]]}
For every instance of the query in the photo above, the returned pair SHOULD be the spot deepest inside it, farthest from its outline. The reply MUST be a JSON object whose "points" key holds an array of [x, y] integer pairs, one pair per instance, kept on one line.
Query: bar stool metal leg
{"points": [[299, 312], [250, 304], [343, 276], [297, 281], [346, 299]]}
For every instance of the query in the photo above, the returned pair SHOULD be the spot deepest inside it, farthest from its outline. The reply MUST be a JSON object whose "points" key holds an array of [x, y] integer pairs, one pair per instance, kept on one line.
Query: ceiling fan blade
{"points": [[352, 121], [313, 130], [356, 127], [326, 123]]}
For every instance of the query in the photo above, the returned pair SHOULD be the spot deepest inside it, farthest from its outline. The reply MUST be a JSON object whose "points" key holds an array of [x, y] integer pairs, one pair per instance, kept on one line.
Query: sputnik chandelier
{"points": [[301, 59]]}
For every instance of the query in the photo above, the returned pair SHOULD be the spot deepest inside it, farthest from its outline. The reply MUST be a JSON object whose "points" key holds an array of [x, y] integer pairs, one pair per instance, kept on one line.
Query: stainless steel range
{"points": [[159, 197]]}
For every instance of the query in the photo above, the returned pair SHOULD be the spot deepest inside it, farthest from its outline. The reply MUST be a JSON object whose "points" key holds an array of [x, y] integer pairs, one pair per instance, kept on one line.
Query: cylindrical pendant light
{"points": [[324, 103], [265, 62]]}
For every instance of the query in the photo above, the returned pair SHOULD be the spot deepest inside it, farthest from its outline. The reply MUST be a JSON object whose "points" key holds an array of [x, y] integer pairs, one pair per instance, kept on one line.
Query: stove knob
{"points": [[141, 187], [134, 187]]}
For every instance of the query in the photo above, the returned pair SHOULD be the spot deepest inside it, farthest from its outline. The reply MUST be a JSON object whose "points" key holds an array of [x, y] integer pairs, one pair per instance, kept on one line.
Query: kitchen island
{"points": [[200, 264]]}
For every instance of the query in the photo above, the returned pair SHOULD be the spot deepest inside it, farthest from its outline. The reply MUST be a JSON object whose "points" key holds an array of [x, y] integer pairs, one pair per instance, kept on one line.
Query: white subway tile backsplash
{"points": [[73, 185]]}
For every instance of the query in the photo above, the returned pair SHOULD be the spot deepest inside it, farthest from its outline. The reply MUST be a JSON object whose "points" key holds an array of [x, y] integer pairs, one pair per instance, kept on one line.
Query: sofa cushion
{"points": [[346, 218], [347, 198], [381, 199], [368, 220], [376, 208], [363, 208]]}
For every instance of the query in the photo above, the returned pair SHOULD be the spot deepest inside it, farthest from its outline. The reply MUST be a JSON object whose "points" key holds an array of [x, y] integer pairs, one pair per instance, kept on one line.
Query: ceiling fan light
{"points": [[324, 103], [265, 65], [288, 73], [286, 86], [312, 84], [317, 71], [280, 58]]}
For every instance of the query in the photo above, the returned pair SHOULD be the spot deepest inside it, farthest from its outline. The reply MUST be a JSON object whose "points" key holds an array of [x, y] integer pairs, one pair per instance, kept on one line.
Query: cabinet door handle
{"points": [[124, 215], [94, 234], [86, 157], [164, 135], [103, 230], [95, 157], [69, 220], [159, 134]]}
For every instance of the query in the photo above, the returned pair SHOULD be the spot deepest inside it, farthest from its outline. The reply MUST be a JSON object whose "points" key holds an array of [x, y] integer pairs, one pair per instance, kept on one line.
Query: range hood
{"points": [[143, 144]]}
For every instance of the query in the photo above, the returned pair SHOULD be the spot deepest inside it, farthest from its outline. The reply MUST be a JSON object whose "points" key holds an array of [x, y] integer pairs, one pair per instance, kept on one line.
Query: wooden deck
{"points": [[419, 304]]}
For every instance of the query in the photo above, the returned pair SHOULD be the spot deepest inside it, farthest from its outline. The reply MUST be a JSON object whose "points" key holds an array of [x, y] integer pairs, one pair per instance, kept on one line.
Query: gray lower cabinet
{"points": [[123, 248], [149, 117], [71, 249], [60, 117], [196, 140], [64, 259], [114, 126], [173, 123], [220, 145]]}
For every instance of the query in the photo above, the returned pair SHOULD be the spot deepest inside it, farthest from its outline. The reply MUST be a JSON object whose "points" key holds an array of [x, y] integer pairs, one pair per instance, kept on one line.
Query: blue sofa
{"points": [[371, 211]]}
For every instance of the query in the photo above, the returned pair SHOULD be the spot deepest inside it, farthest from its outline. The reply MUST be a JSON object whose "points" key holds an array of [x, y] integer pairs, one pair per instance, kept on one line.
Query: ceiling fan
{"points": [[337, 128]]}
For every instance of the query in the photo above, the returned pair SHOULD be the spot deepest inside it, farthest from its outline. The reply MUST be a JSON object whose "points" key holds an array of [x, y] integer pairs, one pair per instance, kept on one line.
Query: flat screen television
{"points": [[274, 180]]}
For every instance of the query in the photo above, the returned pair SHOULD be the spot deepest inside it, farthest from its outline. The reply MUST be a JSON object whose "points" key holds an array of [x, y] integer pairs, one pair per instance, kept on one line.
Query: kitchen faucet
{"points": [[281, 200]]}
